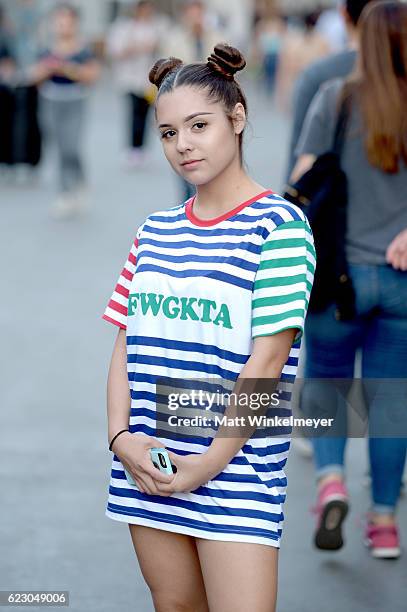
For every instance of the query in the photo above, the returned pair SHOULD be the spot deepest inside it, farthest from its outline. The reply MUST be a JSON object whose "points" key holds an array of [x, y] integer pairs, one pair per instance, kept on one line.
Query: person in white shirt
{"points": [[133, 44], [193, 40]]}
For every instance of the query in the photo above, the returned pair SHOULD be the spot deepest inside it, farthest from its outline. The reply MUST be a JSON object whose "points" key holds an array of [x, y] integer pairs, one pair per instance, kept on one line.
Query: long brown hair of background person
{"points": [[381, 83]]}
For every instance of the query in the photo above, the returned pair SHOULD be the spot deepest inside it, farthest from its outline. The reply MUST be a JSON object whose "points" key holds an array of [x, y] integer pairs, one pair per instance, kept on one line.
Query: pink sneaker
{"points": [[331, 509], [383, 541]]}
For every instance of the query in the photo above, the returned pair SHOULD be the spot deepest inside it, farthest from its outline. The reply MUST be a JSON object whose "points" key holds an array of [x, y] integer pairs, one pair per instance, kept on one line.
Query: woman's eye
{"points": [[167, 134], [199, 124]]}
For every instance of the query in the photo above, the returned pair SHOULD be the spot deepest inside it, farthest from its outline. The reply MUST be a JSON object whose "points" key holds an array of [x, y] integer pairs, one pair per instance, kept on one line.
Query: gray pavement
{"points": [[54, 467]]}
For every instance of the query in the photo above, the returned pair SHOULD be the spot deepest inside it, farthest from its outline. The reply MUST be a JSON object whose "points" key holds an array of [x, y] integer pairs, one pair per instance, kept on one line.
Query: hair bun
{"points": [[226, 60], [161, 68]]}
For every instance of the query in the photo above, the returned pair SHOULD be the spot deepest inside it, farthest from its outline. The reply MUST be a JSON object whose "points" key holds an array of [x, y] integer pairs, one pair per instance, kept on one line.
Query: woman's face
{"points": [[65, 23], [198, 138]]}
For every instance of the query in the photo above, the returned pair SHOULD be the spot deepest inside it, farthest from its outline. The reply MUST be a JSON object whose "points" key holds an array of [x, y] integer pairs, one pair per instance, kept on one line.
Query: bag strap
{"points": [[341, 124]]}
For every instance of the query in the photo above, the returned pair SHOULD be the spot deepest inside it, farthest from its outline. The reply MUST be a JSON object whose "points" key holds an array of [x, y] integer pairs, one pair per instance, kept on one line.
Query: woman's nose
{"points": [[183, 143]]}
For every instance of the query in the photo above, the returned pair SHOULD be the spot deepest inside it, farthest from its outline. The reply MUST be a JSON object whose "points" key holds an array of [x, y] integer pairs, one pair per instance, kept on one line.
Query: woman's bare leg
{"points": [[170, 565], [239, 576]]}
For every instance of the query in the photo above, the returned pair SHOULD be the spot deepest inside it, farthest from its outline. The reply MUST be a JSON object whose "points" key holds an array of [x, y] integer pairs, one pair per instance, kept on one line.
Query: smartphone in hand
{"points": [[161, 460]]}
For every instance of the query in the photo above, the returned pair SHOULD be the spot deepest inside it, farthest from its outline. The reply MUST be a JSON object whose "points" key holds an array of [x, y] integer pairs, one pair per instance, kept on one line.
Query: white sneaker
{"points": [[81, 197], [70, 204], [64, 206]]}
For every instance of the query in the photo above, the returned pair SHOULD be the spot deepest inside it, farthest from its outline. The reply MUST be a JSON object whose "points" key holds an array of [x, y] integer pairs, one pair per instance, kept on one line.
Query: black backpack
{"points": [[322, 195]]}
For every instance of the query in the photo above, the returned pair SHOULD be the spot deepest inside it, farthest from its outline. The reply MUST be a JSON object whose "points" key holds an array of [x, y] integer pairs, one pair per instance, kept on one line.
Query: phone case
{"points": [[155, 453], [161, 460], [130, 478]]}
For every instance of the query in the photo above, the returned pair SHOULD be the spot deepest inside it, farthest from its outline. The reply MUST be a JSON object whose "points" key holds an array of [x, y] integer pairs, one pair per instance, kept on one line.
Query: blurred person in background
{"points": [[192, 39], [7, 70], [301, 47], [331, 25], [374, 158], [65, 72], [20, 146], [26, 18], [267, 42], [306, 86], [7, 60], [268, 38], [234, 19], [133, 45], [336, 65]]}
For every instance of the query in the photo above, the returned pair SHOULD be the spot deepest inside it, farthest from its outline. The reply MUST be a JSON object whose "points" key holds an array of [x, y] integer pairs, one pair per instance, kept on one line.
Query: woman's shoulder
{"points": [[325, 103], [331, 89], [280, 211]]}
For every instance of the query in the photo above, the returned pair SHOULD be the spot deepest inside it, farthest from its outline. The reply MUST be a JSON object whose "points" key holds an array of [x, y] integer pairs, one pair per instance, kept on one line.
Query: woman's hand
{"points": [[192, 472], [133, 451], [396, 253]]}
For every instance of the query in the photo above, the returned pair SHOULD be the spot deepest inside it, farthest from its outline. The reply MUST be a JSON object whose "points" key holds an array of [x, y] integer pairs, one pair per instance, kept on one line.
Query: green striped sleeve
{"points": [[284, 280]]}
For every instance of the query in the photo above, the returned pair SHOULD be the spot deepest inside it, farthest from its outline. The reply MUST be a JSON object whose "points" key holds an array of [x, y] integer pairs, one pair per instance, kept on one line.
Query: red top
{"points": [[206, 222]]}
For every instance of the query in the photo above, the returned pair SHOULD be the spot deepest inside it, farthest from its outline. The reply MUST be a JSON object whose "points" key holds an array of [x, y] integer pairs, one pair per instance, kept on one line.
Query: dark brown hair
{"points": [[381, 83], [354, 9], [216, 77]]}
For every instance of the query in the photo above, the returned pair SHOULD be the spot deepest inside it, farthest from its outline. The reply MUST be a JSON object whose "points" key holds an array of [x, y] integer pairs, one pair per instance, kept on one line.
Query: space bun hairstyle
{"points": [[226, 61], [162, 68], [216, 76]]}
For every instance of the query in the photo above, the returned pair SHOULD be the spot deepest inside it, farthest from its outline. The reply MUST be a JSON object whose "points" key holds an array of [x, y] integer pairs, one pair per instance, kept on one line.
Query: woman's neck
{"points": [[224, 193]]}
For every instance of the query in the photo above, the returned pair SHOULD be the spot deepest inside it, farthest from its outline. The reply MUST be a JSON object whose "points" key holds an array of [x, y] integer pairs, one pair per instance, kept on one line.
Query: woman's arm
{"points": [[302, 166], [132, 449], [86, 73], [316, 136], [118, 392], [269, 355], [39, 72], [266, 362]]}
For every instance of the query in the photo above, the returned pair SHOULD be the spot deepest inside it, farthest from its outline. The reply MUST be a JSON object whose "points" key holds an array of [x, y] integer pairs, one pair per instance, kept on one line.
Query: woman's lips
{"points": [[192, 164]]}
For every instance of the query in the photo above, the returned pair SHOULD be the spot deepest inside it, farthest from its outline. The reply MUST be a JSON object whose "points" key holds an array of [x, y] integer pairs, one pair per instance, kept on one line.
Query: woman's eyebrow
{"points": [[165, 125]]}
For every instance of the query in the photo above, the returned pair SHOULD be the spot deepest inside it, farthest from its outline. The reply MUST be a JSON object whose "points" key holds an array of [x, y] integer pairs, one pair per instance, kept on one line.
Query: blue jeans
{"points": [[379, 331], [270, 65]]}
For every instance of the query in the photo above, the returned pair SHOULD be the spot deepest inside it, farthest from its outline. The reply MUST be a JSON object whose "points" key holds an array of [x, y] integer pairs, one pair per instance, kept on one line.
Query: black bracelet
{"points": [[118, 434]]}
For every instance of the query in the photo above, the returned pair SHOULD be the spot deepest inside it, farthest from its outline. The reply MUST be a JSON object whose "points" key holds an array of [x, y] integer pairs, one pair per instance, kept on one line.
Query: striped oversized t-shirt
{"points": [[192, 296]]}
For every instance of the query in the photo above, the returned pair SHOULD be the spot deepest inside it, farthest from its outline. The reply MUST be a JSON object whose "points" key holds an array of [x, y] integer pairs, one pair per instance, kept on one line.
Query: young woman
{"points": [[65, 72], [375, 161], [216, 287]]}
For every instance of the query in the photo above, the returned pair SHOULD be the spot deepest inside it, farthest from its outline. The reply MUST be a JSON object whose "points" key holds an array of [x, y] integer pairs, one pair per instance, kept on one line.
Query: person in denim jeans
{"points": [[374, 159]]}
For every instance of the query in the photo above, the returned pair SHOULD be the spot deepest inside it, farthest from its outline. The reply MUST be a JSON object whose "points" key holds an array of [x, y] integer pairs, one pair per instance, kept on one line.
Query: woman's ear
{"points": [[239, 118]]}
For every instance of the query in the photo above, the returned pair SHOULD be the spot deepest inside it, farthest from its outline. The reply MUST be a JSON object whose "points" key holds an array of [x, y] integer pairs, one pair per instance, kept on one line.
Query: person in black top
{"points": [[64, 72]]}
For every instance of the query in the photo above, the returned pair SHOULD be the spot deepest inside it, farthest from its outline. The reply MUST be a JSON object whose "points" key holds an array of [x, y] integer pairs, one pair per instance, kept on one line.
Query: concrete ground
{"points": [[57, 277]]}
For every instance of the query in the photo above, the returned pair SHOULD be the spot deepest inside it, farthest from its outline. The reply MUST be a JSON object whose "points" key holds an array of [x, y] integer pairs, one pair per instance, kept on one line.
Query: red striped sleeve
{"points": [[116, 309]]}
